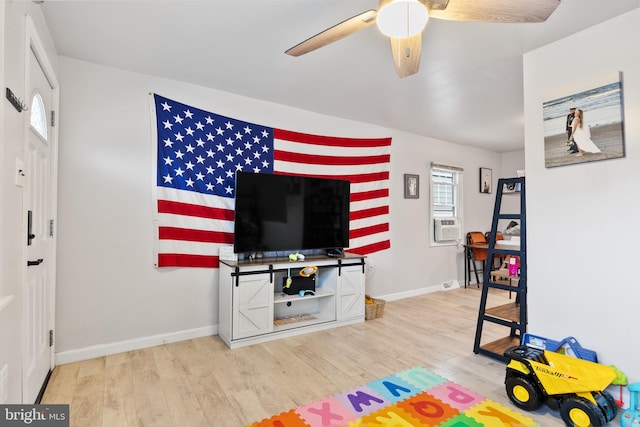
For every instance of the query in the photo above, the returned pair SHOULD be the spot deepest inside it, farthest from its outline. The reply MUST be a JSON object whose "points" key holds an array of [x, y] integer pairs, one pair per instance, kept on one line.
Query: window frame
{"points": [[457, 186], [39, 113]]}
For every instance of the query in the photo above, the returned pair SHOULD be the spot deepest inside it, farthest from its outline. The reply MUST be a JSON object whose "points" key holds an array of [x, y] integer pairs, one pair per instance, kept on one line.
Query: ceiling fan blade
{"points": [[507, 11], [406, 54], [435, 4], [337, 32], [430, 4]]}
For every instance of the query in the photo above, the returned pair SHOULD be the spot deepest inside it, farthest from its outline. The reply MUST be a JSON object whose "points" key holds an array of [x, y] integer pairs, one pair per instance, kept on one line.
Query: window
{"points": [[446, 194], [38, 116]]}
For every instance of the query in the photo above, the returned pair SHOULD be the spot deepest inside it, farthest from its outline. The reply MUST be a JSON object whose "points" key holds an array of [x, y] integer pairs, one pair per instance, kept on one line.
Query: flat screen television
{"points": [[290, 213]]}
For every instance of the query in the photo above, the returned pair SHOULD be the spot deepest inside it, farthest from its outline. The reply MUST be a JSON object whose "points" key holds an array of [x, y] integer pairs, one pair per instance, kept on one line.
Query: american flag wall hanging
{"points": [[199, 152]]}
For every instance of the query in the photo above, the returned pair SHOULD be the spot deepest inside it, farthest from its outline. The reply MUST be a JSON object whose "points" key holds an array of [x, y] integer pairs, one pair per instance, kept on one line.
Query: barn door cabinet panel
{"points": [[352, 292]]}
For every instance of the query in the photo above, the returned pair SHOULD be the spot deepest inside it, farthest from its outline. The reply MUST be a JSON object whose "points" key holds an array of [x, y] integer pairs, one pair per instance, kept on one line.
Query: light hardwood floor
{"points": [[201, 382]]}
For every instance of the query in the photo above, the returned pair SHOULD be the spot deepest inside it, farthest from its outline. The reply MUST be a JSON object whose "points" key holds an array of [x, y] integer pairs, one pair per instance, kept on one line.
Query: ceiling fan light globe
{"points": [[402, 18]]}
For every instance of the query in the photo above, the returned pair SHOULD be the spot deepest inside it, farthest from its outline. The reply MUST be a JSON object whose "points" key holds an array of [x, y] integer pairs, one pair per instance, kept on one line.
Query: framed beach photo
{"points": [[411, 186], [485, 180], [584, 122]]}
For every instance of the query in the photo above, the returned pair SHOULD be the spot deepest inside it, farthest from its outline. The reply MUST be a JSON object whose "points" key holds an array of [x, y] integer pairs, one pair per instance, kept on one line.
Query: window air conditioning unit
{"points": [[448, 229]]}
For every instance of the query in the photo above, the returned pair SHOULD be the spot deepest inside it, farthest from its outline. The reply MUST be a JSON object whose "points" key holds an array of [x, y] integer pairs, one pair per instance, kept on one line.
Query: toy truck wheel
{"points": [[579, 412], [610, 409], [523, 393]]}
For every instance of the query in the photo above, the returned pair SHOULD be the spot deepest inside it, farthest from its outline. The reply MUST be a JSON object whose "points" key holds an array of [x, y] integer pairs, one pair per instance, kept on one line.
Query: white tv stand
{"points": [[253, 308]]}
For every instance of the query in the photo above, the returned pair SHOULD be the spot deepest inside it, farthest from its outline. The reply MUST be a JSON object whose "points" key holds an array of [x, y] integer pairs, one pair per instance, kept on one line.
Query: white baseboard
{"points": [[410, 294], [133, 344]]}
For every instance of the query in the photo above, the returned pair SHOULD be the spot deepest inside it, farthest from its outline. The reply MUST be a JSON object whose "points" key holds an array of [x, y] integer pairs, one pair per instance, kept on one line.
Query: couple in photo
{"points": [[578, 134]]}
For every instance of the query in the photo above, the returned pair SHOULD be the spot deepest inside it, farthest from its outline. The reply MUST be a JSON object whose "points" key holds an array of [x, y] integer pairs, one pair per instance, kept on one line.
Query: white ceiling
{"points": [[468, 90]]}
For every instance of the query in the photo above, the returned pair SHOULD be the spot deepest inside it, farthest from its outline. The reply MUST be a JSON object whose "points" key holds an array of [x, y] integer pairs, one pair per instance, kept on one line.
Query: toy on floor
{"points": [[620, 380], [569, 346], [574, 386], [631, 417]]}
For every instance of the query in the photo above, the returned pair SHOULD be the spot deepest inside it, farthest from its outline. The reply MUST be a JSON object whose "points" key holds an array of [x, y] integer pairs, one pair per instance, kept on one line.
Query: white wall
{"points": [[108, 290], [511, 163], [110, 298], [417, 265], [12, 136], [582, 219]]}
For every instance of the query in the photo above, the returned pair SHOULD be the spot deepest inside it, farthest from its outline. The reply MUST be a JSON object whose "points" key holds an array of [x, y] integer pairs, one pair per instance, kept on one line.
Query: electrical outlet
{"points": [[450, 284], [4, 384]]}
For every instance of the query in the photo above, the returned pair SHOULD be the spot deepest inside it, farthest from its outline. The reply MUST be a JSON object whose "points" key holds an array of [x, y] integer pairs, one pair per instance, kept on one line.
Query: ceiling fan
{"points": [[403, 21]]}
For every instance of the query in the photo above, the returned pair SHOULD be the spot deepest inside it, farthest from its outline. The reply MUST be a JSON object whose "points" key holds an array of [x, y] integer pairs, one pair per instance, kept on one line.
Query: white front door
{"points": [[38, 291]]}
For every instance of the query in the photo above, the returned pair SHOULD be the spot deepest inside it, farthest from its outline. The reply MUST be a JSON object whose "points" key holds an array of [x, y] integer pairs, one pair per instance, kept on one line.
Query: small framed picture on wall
{"points": [[485, 180], [411, 186]]}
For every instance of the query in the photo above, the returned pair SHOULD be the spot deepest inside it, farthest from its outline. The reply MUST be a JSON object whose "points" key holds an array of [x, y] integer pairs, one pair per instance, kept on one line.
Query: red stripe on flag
{"points": [[188, 234], [177, 208], [369, 249], [315, 159], [369, 195], [355, 179], [368, 213], [367, 231], [330, 141], [185, 260]]}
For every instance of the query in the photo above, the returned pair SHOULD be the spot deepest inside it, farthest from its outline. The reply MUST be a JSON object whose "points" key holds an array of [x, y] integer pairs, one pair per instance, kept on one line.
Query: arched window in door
{"points": [[38, 116]]}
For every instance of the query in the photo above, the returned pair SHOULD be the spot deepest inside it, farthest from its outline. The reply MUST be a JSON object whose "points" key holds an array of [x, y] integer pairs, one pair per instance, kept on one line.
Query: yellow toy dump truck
{"points": [[574, 386]]}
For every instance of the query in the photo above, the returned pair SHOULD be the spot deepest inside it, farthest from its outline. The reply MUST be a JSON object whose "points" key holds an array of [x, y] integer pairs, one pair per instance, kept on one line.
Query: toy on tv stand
{"points": [[631, 416], [575, 387], [296, 257]]}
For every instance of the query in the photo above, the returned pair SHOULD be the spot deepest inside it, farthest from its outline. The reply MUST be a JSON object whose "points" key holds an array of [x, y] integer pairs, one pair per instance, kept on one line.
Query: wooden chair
{"points": [[476, 255], [500, 259]]}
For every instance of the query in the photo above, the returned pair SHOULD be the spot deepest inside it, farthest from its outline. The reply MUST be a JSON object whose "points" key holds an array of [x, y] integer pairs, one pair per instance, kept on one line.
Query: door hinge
{"points": [[50, 228], [53, 118], [50, 337]]}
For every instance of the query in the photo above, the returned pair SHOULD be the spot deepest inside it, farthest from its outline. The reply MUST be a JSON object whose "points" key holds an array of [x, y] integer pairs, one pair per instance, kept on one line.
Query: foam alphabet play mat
{"points": [[414, 397]]}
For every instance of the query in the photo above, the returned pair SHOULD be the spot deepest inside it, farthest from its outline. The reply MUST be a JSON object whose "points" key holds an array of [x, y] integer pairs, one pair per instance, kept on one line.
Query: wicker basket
{"points": [[375, 309]]}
